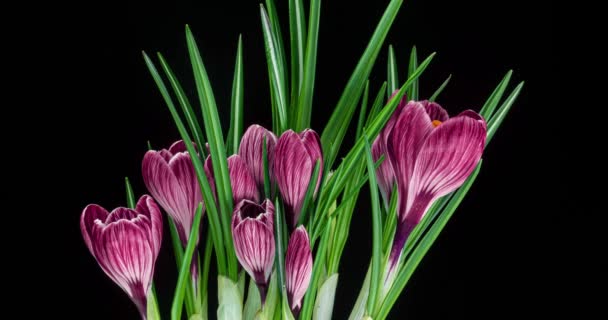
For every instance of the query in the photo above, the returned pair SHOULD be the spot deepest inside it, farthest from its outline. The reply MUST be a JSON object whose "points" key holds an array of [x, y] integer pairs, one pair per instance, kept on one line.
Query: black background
{"points": [[488, 260]]}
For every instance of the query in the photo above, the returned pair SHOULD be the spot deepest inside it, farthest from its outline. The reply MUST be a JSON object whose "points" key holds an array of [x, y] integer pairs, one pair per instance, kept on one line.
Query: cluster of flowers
{"points": [[427, 155]]}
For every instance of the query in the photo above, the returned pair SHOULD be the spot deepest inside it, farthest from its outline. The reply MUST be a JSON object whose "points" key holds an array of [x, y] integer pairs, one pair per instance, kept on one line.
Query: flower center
{"points": [[436, 123]]}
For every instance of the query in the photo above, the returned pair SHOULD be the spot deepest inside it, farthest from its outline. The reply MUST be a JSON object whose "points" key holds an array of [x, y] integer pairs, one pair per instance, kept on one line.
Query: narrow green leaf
{"points": [[336, 127], [182, 280], [212, 212], [273, 15], [440, 89], [215, 137], [130, 195], [392, 72], [236, 111], [178, 252], [376, 231], [297, 35], [205, 275], [488, 107], [363, 111], [304, 110], [267, 183], [279, 227], [149, 145], [412, 94], [195, 128], [377, 104], [500, 115], [308, 197], [422, 248], [275, 73]]}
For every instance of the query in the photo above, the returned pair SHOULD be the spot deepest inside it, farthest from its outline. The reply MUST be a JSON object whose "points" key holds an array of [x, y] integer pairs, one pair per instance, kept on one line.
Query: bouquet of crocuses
{"points": [[277, 203]]}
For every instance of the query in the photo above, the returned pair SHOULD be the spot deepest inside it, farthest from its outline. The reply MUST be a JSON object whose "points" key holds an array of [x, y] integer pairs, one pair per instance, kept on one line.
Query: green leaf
{"points": [[215, 137], [152, 308], [500, 115], [391, 220], [272, 297], [182, 280], [195, 128], [212, 212], [275, 68], [412, 262], [308, 197], [230, 300], [412, 94], [253, 303], [267, 183], [297, 36], [377, 104], [130, 195], [279, 227], [440, 89], [488, 108], [376, 277], [302, 120], [236, 112], [358, 310], [324, 304], [363, 111], [278, 37], [204, 293], [392, 72], [336, 127]]}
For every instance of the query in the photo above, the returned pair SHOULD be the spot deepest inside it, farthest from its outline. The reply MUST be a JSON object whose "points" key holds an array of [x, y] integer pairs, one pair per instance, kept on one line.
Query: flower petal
{"points": [[447, 158], [251, 151], [313, 145], [298, 267], [243, 183], [403, 145], [90, 214], [165, 187], [148, 208], [124, 252], [435, 111], [254, 247], [292, 170]]}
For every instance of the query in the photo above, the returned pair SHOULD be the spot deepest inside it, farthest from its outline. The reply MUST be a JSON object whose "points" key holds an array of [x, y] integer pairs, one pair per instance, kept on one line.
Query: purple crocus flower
{"points": [[431, 155], [295, 156], [298, 268], [170, 177], [125, 244], [253, 236], [241, 180], [251, 151]]}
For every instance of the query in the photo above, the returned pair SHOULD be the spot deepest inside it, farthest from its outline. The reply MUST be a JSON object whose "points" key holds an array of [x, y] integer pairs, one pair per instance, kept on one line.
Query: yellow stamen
{"points": [[436, 123]]}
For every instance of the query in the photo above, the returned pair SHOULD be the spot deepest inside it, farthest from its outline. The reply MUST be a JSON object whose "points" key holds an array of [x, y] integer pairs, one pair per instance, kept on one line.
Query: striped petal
{"points": [[298, 268], [295, 158], [435, 111], [405, 140], [243, 183], [251, 151], [448, 157]]}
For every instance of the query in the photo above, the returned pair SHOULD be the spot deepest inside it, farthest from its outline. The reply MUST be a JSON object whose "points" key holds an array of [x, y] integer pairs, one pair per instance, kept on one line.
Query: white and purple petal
{"points": [[251, 151], [298, 268]]}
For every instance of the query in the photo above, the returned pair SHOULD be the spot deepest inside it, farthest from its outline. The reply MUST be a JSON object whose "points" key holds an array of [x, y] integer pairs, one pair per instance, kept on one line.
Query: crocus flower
{"points": [[170, 177], [253, 236], [295, 157], [125, 244], [431, 156], [251, 151], [241, 180], [298, 268]]}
